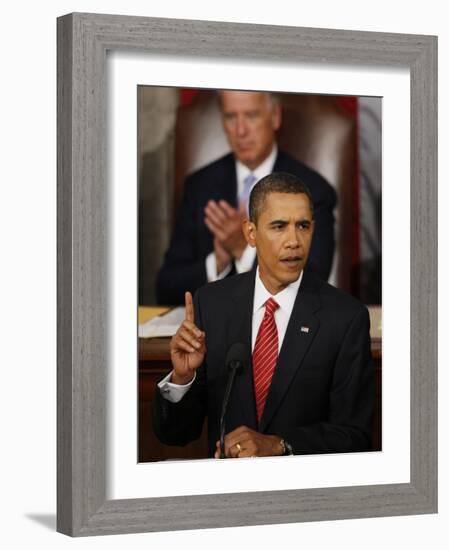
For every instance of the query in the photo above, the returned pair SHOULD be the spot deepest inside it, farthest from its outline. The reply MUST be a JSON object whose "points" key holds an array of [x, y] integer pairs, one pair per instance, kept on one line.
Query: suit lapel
{"points": [[227, 189], [301, 330], [240, 331]]}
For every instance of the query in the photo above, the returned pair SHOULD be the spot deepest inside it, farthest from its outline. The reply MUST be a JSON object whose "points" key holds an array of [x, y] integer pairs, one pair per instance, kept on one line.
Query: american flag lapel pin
{"points": [[305, 329]]}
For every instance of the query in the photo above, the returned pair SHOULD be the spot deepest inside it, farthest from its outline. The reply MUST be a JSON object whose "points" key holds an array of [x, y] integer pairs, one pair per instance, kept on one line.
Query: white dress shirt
{"points": [[246, 261], [285, 299]]}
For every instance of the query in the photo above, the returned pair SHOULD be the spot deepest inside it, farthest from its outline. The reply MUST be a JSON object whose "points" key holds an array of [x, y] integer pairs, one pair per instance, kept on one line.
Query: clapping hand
{"points": [[225, 224]]}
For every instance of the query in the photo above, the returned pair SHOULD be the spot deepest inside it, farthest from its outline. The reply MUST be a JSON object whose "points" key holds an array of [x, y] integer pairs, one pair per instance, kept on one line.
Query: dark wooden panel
{"points": [[154, 364]]}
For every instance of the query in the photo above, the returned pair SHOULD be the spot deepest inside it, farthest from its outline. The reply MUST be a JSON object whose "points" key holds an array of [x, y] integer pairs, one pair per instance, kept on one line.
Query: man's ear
{"points": [[249, 231]]}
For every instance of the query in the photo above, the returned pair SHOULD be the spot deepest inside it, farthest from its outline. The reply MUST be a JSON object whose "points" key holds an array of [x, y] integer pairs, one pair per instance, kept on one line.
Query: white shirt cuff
{"points": [[211, 269], [246, 261], [174, 392]]}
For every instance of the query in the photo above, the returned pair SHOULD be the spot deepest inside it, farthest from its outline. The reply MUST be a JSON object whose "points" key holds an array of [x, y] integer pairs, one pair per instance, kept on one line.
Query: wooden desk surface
{"points": [[148, 312]]}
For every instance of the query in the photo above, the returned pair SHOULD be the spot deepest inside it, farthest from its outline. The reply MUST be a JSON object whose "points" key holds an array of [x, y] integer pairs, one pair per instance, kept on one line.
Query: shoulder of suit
{"points": [[287, 162], [313, 179], [225, 162], [225, 288], [339, 299]]}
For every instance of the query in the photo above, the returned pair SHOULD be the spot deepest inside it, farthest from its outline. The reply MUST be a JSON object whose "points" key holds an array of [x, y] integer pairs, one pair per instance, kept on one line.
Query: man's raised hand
{"points": [[187, 347]]}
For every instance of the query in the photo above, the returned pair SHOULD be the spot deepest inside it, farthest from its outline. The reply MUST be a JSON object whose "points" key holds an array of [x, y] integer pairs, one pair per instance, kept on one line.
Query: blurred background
{"points": [[180, 130]]}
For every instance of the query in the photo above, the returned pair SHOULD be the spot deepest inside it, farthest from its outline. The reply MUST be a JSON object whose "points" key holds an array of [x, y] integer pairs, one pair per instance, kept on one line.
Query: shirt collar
{"points": [[285, 299], [261, 171]]}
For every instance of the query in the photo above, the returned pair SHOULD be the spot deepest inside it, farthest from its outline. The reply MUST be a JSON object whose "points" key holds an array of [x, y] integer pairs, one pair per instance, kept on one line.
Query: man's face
{"points": [[282, 238], [250, 120]]}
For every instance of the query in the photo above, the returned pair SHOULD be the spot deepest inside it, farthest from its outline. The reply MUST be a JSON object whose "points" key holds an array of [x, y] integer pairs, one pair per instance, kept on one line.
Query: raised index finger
{"points": [[189, 307]]}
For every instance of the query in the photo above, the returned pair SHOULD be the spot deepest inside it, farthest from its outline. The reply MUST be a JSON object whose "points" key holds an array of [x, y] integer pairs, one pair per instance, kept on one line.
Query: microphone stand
{"points": [[234, 366]]}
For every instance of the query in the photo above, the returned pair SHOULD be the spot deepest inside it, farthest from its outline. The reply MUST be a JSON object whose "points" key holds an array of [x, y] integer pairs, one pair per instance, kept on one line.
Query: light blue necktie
{"points": [[248, 184]]}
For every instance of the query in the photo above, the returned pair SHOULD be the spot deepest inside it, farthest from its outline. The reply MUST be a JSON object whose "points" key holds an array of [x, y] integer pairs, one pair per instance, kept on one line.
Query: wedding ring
{"points": [[239, 448]]}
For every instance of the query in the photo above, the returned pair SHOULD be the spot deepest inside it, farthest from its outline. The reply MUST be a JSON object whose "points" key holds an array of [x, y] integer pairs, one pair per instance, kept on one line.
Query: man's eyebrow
{"points": [[278, 222], [285, 222]]}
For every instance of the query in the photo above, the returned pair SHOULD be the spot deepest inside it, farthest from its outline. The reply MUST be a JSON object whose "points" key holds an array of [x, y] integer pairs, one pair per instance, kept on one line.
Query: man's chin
{"points": [[293, 269], [246, 157], [295, 276], [291, 277]]}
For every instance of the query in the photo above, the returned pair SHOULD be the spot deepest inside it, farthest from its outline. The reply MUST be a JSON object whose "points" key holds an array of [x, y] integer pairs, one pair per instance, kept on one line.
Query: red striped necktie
{"points": [[265, 355]]}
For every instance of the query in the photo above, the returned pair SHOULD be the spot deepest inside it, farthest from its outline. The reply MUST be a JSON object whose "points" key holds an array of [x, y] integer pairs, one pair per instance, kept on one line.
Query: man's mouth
{"points": [[292, 260], [244, 146]]}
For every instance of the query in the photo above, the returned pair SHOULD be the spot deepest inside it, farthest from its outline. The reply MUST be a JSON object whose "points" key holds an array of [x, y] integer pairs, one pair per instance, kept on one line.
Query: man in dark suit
{"points": [[308, 385], [208, 243]]}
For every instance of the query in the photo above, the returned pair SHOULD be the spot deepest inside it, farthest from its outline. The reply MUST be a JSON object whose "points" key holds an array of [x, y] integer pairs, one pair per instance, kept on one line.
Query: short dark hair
{"points": [[277, 182]]}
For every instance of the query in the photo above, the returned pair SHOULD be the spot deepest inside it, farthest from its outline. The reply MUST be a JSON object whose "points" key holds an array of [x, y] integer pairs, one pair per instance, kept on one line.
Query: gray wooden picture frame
{"points": [[83, 40]]}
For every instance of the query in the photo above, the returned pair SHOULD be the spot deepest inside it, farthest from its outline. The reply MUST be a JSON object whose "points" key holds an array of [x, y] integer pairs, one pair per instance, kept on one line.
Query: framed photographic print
{"points": [[105, 64], [183, 144]]}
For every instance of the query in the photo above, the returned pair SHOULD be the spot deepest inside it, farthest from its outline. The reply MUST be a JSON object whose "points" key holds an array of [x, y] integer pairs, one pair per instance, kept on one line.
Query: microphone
{"points": [[236, 359]]}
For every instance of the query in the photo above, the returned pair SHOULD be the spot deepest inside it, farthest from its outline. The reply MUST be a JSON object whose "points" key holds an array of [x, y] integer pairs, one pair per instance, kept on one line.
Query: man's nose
{"points": [[293, 239], [241, 127]]}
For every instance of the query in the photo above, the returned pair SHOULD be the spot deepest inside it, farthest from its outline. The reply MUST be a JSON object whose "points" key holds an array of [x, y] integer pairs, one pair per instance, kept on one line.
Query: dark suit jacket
{"points": [[184, 263], [322, 393]]}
